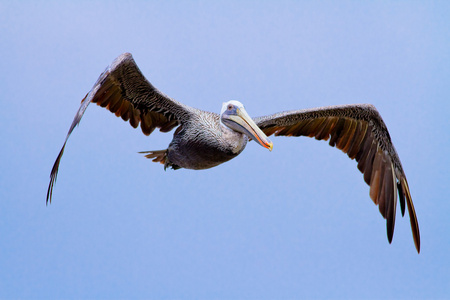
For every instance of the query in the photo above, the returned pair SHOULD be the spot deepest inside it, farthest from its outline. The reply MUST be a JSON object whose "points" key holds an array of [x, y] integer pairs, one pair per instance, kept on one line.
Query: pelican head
{"points": [[234, 116]]}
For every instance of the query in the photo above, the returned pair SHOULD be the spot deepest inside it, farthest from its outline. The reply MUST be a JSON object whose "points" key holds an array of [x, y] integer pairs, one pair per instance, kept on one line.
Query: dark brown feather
{"points": [[412, 213], [359, 131], [324, 133], [123, 90], [368, 162], [336, 131], [376, 179], [391, 192]]}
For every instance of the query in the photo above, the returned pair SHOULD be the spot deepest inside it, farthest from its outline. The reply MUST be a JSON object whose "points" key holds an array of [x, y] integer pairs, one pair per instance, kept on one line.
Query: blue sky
{"points": [[296, 222]]}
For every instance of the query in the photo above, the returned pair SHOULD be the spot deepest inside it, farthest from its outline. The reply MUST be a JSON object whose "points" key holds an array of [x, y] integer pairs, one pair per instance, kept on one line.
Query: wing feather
{"points": [[324, 132], [359, 131], [124, 91]]}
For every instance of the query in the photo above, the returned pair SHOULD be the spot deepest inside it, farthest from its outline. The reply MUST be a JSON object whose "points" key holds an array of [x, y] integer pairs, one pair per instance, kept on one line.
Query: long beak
{"points": [[250, 128]]}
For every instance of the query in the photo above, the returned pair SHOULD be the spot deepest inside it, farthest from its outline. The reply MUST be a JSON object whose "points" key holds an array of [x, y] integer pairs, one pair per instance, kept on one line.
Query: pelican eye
{"points": [[230, 107]]}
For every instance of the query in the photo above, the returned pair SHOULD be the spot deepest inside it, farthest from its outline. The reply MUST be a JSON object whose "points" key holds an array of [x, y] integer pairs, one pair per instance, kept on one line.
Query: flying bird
{"points": [[203, 140]]}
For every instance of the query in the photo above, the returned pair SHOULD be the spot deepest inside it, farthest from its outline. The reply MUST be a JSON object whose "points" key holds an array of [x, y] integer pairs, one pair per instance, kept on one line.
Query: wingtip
{"points": [[390, 232], [50, 188], [401, 197], [49, 193], [416, 237], [412, 214], [54, 174]]}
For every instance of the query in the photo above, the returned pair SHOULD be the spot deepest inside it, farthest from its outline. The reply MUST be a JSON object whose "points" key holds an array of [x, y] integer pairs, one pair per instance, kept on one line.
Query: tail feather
{"points": [[158, 155], [161, 157]]}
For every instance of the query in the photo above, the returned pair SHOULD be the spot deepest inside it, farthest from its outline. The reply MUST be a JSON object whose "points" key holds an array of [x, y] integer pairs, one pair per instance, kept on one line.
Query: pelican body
{"points": [[203, 140], [206, 139]]}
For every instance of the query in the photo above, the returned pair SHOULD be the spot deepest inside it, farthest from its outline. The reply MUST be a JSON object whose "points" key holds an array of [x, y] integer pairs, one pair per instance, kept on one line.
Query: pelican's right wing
{"points": [[123, 90], [359, 131]]}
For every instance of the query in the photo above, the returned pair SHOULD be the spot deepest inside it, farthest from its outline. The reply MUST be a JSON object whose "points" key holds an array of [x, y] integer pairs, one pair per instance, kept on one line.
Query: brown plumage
{"points": [[359, 131], [203, 139]]}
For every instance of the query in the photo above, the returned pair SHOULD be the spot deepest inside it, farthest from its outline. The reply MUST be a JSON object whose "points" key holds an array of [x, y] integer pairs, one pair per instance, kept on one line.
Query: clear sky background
{"points": [[296, 222]]}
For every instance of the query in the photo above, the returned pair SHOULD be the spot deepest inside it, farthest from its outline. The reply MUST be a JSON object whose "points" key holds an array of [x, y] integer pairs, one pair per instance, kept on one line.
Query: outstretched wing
{"points": [[359, 131], [123, 90]]}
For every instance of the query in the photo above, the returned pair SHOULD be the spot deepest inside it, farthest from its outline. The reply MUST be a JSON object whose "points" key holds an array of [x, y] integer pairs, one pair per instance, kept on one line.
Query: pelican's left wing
{"points": [[123, 90], [359, 131]]}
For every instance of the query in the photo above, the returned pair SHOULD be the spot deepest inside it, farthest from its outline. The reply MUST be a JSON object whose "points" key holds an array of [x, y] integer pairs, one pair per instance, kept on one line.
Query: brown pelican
{"points": [[204, 140]]}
